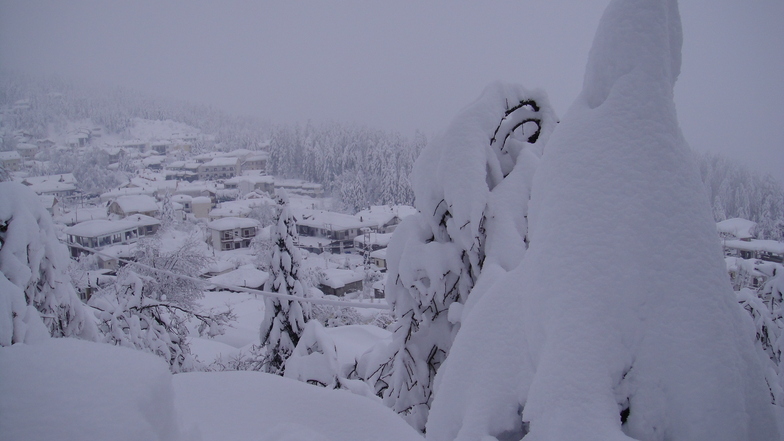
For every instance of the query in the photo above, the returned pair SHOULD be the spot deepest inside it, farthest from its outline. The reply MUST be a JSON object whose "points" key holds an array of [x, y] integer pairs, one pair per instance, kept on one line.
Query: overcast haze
{"points": [[401, 65]]}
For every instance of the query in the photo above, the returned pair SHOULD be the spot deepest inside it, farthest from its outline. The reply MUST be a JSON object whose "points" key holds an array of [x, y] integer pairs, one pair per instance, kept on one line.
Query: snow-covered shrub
{"points": [[619, 323], [764, 306], [472, 186], [284, 320], [36, 292], [152, 309]]}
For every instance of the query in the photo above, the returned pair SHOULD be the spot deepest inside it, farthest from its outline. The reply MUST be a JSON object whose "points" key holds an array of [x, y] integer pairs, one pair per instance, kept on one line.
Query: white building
{"points": [[231, 233]]}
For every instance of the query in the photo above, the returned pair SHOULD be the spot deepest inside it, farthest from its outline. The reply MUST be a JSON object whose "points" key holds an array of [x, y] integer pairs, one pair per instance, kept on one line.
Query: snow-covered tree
{"points": [[151, 307], [472, 186], [764, 306], [619, 323], [284, 320], [36, 294]]}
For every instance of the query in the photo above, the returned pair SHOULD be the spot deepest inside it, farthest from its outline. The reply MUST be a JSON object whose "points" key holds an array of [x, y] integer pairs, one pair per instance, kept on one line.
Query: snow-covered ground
{"points": [[77, 390]]}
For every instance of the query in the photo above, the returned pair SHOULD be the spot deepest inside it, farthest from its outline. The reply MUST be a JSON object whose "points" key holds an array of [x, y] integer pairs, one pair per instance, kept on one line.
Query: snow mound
{"points": [[76, 390], [620, 322], [254, 405]]}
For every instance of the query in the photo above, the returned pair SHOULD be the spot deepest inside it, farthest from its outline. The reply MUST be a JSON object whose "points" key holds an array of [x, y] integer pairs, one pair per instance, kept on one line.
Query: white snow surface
{"points": [[76, 390], [737, 227], [622, 299], [257, 406]]}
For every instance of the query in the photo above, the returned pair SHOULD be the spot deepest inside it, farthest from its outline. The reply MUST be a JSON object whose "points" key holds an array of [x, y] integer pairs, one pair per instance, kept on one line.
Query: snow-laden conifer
{"points": [[284, 320], [36, 293], [472, 186], [619, 323]]}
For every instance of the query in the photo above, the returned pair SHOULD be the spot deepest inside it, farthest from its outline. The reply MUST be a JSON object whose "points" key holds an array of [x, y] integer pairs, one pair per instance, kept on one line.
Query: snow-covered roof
{"points": [[182, 198], [9, 156], [378, 239], [102, 227], [338, 278], [202, 200], [245, 276], [254, 179], [67, 178], [218, 162], [379, 254], [328, 219], [137, 203], [231, 223], [771, 246], [738, 227]]}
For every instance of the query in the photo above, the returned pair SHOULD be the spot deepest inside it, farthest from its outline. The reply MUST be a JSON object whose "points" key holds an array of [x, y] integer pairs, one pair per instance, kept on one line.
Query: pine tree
{"points": [[35, 287], [284, 320]]}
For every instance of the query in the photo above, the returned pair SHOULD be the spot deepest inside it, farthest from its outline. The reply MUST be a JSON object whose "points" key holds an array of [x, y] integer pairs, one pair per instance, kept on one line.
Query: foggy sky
{"points": [[401, 65]]}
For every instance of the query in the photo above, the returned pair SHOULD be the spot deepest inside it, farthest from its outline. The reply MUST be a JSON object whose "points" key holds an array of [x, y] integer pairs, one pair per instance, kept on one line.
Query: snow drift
{"points": [[620, 321]]}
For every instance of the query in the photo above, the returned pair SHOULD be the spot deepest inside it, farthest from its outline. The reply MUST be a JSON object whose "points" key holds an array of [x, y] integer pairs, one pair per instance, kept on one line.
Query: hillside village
{"points": [[226, 196]]}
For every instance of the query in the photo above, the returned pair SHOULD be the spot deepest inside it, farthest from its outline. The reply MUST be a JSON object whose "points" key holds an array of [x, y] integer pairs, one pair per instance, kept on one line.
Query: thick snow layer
{"points": [[621, 308], [75, 390], [253, 405], [737, 227]]}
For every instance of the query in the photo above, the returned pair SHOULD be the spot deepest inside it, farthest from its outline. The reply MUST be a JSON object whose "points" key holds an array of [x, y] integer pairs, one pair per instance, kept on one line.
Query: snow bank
{"points": [[254, 405], [76, 390], [619, 322]]}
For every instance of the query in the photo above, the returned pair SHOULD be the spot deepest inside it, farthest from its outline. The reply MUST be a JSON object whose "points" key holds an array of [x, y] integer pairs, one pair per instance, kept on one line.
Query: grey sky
{"points": [[401, 65]]}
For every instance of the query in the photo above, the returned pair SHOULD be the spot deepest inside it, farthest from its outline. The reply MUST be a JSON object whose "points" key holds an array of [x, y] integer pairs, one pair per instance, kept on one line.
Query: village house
{"points": [[244, 277], [101, 233], [384, 217], [160, 147], [339, 282], [62, 185], [255, 161], [370, 241], [27, 151], [219, 168], [125, 206], [379, 259], [11, 161], [232, 233], [247, 183], [340, 229]]}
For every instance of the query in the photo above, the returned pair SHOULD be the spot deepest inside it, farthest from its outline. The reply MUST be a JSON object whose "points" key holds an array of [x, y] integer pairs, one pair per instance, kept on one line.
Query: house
{"points": [[219, 168], [27, 151], [101, 233], [154, 162], [768, 250], [241, 208], [11, 161], [370, 241], [201, 206], [135, 204], [232, 233], [340, 229], [255, 161], [133, 144], [248, 183], [300, 187], [384, 217], [339, 282], [62, 185], [737, 228], [245, 276], [160, 147], [51, 203], [379, 259]]}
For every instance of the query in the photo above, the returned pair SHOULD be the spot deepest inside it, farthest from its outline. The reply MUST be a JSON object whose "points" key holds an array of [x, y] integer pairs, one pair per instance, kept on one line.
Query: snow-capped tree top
{"points": [[455, 174], [636, 43]]}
